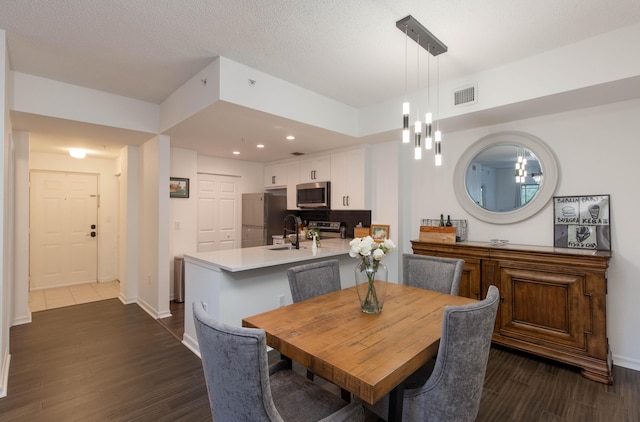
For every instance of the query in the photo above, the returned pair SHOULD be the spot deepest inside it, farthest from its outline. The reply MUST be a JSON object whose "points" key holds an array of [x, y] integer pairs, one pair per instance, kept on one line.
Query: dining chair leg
{"points": [[310, 375], [346, 395]]}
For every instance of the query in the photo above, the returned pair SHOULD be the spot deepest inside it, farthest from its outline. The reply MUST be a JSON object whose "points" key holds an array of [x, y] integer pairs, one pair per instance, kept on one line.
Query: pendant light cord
{"points": [[438, 93], [406, 60], [418, 78]]}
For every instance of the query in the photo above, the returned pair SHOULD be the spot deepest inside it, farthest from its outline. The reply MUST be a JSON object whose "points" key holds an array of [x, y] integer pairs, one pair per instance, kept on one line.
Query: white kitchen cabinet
{"points": [[293, 178], [349, 177], [315, 169], [275, 176]]}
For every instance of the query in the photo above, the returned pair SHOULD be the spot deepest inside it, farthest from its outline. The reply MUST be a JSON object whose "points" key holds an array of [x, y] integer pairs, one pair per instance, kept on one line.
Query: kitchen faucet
{"points": [[297, 222]]}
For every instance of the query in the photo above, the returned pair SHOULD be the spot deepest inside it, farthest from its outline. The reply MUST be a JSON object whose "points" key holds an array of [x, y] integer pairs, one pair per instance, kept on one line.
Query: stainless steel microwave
{"points": [[313, 195]]}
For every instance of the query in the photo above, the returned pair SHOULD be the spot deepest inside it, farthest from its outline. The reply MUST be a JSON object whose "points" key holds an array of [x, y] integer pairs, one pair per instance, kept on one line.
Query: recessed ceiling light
{"points": [[236, 152], [260, 146], [77, 153], [291, 137]]}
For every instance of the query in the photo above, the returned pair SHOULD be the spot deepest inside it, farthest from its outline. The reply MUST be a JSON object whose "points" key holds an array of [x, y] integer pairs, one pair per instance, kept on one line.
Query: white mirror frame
{"points": [[548, 185]]}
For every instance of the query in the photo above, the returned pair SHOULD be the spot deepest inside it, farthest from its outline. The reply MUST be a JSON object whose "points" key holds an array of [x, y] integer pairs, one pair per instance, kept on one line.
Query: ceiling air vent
{"points": [[466, 95]]}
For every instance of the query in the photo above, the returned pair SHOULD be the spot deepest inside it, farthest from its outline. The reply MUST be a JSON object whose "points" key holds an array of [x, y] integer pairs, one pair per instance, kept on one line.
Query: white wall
{"points": [[282, 98], [560, 79], [597, 150], [127, 167], [183, 219], [251, 174], [153, 276], [385, 201], [21, 313], [5, 228], [47, 97]]}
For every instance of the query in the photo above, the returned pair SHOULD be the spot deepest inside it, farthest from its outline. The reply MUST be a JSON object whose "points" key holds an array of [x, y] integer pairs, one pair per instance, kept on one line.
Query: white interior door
{"points": [[64, 207], [218, 212]]}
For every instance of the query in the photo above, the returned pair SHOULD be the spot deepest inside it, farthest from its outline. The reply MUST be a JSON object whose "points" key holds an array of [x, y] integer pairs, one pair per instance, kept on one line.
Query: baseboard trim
{"points": [[22, 320], [626, 362], [5, 375], [191, 344]]}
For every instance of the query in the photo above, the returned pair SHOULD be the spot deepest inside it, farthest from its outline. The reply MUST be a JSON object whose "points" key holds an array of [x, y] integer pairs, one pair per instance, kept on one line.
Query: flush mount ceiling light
{"points": [[291, 137], [425, 39], [77, 153]]}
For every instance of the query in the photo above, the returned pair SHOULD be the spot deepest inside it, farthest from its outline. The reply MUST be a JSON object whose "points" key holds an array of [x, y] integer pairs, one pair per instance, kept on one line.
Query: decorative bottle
{"points": [[441, 220], [448, 224]]}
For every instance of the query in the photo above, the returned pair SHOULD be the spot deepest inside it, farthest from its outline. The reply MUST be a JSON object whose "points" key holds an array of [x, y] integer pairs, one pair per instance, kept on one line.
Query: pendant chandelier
{"points": [[521, 165], [425, 39]]}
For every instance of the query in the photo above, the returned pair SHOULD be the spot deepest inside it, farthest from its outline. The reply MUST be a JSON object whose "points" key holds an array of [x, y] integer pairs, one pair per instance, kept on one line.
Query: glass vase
{"points": [[371, 284]]}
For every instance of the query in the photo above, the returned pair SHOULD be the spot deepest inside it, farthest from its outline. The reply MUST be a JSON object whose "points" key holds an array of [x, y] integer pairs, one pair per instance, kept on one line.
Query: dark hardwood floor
{"points": [[104, 361], [101, 361], [175, 323]]}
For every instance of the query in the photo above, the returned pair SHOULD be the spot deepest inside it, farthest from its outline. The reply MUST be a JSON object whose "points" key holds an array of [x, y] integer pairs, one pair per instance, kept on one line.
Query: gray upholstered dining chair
{"points": [[311, 280], [450, 389], [243, 387], [432, 273]]}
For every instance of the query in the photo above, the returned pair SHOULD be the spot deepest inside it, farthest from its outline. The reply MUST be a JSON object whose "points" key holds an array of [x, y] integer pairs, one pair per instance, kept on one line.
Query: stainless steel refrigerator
{"points": [[262, 217]]}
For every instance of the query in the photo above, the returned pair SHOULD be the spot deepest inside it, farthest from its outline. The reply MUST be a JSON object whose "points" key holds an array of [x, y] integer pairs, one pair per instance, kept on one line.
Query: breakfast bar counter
{"points": [[237, 283], [244, 259]]}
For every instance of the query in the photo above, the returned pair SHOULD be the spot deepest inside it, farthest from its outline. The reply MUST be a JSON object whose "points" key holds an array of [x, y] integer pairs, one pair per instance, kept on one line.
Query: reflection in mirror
{"points": [[503, 177]]}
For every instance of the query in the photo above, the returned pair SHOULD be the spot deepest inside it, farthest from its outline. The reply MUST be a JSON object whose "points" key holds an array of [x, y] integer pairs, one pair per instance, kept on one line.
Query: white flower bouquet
{"points": [[371, 253]]}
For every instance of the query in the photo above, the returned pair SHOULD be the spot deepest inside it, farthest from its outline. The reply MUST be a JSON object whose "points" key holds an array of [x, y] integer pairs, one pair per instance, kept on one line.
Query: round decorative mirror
{"points": [[505, 177]]}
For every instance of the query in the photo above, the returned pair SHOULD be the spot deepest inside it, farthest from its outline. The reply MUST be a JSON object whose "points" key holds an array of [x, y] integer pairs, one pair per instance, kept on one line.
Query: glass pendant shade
{"points": [[405, 122], [438, 145], [406, 135], [428, 139], [418, 146]]}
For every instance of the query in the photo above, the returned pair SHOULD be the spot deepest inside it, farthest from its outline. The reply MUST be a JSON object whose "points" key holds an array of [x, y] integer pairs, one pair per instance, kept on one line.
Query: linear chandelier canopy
{"points": [[421, 35]]}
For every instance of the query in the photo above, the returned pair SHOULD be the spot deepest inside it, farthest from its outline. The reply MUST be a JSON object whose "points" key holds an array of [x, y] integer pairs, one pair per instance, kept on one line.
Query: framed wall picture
{"points": [[379, 232], [178, 187], [582, 222]]}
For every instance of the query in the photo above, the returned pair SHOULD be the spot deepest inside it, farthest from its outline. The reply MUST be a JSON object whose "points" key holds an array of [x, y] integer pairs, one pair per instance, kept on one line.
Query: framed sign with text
{"points": [[582, 222]]}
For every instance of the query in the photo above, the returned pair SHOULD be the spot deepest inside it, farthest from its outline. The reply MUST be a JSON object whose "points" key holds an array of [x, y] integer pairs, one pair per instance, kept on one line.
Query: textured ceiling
{"points": [[350, 51]]}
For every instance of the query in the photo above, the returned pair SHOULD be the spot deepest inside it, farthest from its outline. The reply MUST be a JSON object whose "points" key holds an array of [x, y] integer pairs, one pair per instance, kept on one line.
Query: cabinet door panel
{"points": [[293, 178], [315, 169], [275, 176], [470, 281], [562, 297]]}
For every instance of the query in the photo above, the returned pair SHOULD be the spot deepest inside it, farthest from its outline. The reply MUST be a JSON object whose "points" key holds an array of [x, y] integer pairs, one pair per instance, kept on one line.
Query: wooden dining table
{"points": [[367, 355]]}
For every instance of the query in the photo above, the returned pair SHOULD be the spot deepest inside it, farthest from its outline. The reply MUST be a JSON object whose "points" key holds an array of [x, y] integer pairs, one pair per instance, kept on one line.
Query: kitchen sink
{"points": [[283, 247]]}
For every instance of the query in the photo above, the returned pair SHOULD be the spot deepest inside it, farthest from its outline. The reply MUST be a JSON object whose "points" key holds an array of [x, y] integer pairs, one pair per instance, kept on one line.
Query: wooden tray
{"points": [[360, 231], [437, 234]]}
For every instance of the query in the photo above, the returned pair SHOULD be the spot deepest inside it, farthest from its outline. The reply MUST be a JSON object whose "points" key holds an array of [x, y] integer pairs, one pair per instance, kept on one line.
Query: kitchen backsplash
{"points": [[350, 218]]}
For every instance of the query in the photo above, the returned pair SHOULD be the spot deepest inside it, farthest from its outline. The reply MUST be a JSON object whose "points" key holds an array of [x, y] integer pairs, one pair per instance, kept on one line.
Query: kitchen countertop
{"points": [[244, 259]]}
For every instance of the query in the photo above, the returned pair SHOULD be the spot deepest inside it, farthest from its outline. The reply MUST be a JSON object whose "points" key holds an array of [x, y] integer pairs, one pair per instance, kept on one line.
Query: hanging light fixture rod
{"points": [[416, 31]]}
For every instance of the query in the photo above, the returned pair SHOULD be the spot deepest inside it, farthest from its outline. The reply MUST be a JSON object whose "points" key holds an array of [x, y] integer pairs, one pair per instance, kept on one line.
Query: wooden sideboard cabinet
{"points": [[553, 300]]}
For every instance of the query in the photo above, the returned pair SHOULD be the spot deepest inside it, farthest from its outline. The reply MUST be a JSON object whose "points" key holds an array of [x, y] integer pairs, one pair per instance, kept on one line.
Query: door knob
{"points": [[93, 234]]}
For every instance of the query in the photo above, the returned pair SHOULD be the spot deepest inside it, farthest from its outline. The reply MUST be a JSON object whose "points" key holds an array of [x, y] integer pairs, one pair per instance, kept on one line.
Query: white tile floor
{"points": [[57, 297]]}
